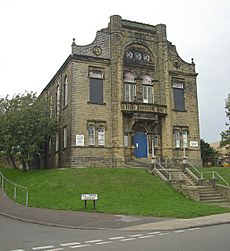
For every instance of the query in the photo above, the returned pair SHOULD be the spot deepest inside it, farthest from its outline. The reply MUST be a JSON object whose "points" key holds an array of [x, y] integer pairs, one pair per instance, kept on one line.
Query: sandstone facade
{"points": [[126, 95]]}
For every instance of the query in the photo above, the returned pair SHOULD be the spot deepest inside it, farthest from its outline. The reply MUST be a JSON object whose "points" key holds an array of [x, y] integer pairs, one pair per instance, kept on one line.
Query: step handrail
{"points": [[4, 180], [213, 176], [213, 173], [154, 161]]}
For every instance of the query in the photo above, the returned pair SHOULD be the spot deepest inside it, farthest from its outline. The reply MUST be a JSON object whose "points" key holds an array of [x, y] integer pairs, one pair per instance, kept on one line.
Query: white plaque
{"points": [[79, 140], [194, 143]]}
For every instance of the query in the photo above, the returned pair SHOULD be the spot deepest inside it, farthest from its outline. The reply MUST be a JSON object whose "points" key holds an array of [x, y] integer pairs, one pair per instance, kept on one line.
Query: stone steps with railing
{"points": [[193, 186]]}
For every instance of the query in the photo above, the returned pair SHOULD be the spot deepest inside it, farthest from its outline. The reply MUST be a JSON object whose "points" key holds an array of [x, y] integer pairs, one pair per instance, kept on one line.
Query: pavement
{"points": [[99, 221]]}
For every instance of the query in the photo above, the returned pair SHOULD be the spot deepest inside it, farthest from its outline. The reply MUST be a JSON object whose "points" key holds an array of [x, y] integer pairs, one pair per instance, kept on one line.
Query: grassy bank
{"points": [[121, 191]]}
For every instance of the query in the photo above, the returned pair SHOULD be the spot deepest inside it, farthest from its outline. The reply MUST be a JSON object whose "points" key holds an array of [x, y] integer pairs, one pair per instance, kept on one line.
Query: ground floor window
{"points": [[91, 135], [101, 136], [65, 137], [96, 133], [180, 138]]}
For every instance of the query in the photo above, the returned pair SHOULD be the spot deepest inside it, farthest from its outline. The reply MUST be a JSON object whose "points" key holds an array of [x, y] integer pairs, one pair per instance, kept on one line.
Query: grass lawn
{"points": [[120, 190]]}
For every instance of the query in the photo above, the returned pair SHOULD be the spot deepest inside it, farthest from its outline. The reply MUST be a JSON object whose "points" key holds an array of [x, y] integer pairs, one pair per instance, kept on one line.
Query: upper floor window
{"points": [[65, 91], [58, 102], [129, 87], [96, 87], [147, 89], [178, 96]]}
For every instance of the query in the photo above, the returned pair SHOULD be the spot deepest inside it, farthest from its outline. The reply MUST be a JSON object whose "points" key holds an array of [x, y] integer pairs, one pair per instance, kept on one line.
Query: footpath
{"points": [[97, 221]]}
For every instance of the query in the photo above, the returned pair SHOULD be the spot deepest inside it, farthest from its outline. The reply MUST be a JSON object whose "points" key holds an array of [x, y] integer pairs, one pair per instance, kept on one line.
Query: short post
{"points": [[2, 183], [92, 197]]}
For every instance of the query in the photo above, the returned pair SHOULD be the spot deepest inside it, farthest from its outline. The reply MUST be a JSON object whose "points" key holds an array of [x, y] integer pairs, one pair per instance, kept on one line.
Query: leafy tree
{"points": [[208, 154], [225, 135], [25, 126]]}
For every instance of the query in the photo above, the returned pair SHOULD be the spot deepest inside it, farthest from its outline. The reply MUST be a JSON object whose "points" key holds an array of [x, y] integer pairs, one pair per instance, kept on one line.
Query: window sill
{"points": [[179, 110], [92, 103]]}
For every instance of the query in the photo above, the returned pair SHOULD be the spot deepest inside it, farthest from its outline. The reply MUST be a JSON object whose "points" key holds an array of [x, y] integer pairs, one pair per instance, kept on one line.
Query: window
{"points": [[185, 139], [96, 87], [57, 142], [178, 96], [181, 138], [156, 141], [58, 102], [51, 106], [91, 135], [130, 87], [177, 138], [101, 136], [147, 89], [65, 91], [65, 137]]}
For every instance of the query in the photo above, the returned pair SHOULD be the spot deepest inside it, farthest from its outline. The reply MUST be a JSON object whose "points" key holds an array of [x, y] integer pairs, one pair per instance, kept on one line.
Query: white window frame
{"points": [[65, 141], [101, 136], [147, 89], [57, 142], [58, 102], [185, 139], [177, 138], [91, 135], [129, 87], [66, 91]]}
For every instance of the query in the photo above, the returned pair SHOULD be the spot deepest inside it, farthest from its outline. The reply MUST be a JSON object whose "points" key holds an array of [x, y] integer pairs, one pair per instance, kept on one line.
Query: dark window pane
{"points": [[178, 96], [96, 91]]}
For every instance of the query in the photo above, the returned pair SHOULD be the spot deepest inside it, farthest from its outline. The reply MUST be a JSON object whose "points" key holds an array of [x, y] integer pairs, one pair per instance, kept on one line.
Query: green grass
{"points": [[120, 190]]}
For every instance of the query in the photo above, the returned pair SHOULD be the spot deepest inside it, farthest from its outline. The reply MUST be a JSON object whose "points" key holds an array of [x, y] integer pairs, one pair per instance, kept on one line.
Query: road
{"points": [[21, 236]]}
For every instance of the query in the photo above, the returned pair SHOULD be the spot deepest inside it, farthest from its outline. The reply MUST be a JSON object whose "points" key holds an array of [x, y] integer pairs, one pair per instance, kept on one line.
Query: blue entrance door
{"points": [[140, 143]]}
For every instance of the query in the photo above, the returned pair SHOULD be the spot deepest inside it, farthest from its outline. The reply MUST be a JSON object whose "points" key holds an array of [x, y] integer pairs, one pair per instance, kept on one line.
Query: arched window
{"points": [[65, 91], [129, 87], [147, 89], [91, 135]]}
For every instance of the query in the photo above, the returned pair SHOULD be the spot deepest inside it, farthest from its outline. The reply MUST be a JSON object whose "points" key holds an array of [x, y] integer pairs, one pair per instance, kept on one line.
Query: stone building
{"points": [[126, 95]]}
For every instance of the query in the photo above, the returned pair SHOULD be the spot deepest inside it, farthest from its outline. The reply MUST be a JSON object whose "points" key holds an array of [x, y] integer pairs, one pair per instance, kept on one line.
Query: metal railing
{"points": [[4, 185], [156, 163], [214, 174]]}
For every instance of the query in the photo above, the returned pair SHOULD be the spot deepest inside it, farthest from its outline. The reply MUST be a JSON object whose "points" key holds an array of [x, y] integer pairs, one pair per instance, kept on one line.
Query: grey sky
{"points": [[36, 38]]}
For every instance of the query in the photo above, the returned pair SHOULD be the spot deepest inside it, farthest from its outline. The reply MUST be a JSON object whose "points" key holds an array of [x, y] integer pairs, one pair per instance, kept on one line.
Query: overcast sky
{"points": [[36, 37]]}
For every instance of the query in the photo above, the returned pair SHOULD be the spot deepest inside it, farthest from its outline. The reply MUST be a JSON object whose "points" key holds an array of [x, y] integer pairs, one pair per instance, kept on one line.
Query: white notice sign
{"points": [[194, 143], [79, 140]]}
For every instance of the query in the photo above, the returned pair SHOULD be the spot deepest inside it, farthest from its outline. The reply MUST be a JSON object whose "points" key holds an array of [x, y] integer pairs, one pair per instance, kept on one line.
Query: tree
{"points": [[25, 126], [208, 154], [225, 135]]}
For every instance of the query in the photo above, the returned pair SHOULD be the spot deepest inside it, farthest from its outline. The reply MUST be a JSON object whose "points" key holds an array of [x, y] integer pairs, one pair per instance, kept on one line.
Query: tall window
{"points": [[147, 89], [58, 102], [101, 136], [177, 138], [181, 138], [51, 106], [185, 139], [91, 135], [178, 96], [57, 142], [96, 87], [65, 91], [129, 87], [65, 137]]}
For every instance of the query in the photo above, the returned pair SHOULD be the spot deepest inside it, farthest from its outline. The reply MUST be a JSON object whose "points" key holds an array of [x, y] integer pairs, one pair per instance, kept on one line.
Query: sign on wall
{"points": [[79, 140], [194, 143]]}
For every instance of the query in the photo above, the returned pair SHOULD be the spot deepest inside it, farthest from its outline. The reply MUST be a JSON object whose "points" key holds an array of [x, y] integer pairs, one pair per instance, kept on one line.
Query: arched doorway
{"points": [[140, 141]]}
